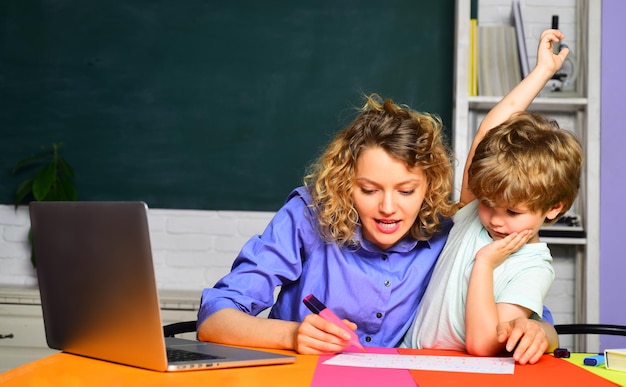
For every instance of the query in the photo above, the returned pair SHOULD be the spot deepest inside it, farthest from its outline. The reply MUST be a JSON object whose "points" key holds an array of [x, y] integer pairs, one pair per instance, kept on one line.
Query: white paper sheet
{"points": [[485, 365]]}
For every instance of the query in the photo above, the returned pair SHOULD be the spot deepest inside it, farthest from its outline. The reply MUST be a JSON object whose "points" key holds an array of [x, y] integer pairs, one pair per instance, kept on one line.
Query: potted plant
{"points": [[51, 178]]}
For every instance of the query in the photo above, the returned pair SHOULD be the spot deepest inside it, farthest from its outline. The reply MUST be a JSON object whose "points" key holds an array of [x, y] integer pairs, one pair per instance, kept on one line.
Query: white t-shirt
{"points": [[524, 279]]}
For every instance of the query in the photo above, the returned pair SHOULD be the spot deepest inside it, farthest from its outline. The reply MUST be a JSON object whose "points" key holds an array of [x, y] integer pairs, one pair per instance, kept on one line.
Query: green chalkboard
{"points": [[207, 104]]}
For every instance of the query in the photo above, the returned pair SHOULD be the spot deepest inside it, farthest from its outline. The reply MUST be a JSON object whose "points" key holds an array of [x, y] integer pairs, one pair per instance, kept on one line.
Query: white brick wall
{"points": [[561, 297], [192, 249]]}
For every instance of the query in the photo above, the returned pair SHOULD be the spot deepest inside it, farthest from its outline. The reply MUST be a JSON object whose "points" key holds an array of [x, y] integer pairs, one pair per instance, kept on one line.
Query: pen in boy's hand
{"points": [[317, 307]]}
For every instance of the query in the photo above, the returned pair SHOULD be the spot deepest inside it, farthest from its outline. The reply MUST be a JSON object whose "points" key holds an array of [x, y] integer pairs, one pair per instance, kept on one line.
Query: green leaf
{"points": [[63, 190], [43, 181], [24, 189], [64, 168], [28, 161], [52, 181]]}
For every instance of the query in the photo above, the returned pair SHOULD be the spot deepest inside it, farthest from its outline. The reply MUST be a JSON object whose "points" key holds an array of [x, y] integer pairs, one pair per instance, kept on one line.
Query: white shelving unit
{"points": [[580, 113]]}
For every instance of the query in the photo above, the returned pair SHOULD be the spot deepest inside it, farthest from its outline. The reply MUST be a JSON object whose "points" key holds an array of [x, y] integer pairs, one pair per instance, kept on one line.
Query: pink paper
{"points": [[330, 376]]}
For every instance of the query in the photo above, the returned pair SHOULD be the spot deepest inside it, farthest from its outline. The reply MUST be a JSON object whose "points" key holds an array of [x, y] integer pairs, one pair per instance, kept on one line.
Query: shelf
{"points": [[564, 241], [544, 104], [168, 299]]}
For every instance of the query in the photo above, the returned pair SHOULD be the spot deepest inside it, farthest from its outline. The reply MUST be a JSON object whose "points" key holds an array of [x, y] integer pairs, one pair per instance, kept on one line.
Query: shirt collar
{"points": [[404, 245]]}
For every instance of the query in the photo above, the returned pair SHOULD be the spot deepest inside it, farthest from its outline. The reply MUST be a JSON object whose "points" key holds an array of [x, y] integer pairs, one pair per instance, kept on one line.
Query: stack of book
{"points": [[498, 58], [615, 359], [473, 59]]}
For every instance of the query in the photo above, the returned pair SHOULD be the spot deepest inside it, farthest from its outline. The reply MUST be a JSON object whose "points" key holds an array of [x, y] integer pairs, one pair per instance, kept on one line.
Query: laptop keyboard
{"points": [[177, 355]]}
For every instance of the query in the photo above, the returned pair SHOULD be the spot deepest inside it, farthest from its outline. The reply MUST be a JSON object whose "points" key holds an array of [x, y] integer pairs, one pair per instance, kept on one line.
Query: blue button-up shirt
{"points": [[379, 290]]}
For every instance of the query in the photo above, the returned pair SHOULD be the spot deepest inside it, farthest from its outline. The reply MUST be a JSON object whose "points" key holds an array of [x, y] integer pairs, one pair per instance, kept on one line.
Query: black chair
{"points": [[173, 329], [594, 329], [581, 330]]}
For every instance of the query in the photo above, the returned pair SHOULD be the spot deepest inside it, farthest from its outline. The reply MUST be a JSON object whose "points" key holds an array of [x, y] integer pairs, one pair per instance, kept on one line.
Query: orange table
{"points": [[69, 370]]}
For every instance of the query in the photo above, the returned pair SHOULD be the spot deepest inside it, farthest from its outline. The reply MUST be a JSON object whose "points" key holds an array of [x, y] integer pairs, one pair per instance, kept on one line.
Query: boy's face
{"points": [[387, 195], [501, 221]]}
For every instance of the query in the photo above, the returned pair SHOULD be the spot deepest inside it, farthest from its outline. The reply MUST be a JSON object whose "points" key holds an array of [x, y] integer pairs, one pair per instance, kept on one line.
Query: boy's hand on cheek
{"points": [[497, 251]]}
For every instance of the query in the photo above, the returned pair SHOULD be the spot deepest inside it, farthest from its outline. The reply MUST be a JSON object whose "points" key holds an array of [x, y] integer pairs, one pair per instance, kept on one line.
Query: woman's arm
{"points": [[228, 310], [313, 336], [520, 98], [232, 326]]}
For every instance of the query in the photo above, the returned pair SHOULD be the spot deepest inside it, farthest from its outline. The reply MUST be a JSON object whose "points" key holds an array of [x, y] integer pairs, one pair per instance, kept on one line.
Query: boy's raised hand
{"points": [[546, 58]]}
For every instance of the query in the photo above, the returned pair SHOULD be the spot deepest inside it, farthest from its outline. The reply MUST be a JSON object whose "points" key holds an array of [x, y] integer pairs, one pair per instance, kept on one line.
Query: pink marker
{"points": [[316, 306]]}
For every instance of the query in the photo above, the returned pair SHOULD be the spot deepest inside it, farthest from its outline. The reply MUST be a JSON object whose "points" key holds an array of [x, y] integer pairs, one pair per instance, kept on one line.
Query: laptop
{"points": [[98, 290]]}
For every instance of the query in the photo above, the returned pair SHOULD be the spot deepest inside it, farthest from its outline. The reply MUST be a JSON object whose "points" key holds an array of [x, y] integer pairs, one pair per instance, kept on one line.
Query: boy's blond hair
{"points": [[528, 160]]}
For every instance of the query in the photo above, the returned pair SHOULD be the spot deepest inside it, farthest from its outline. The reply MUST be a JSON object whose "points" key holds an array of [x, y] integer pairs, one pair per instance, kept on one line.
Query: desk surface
{"points": [[308, 370]]}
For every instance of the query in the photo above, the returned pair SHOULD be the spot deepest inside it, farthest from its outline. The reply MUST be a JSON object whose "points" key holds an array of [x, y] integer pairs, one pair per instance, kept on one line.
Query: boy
{"points": [[521, 174]]}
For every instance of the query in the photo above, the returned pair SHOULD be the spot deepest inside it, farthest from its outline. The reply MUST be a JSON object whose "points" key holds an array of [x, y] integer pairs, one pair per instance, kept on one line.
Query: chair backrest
{"points": [[596, 329], [171, 330]]}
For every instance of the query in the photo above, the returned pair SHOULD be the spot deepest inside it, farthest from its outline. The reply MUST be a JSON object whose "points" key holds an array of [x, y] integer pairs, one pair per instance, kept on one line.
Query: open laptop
{"points": [[99, 294]]}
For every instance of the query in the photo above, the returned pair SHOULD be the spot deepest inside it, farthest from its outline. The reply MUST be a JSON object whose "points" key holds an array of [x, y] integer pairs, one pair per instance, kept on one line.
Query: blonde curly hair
{"points": [[412, 137]]}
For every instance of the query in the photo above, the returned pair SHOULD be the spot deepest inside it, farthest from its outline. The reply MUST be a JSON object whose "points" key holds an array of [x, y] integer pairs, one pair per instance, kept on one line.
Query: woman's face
{"points": [[387, 195]]}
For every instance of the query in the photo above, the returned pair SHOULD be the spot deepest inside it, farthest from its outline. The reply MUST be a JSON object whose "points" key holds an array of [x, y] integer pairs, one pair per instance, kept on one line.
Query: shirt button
{"points": [[379, 315], [368, 339], [385, 257], [387, 283]]}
